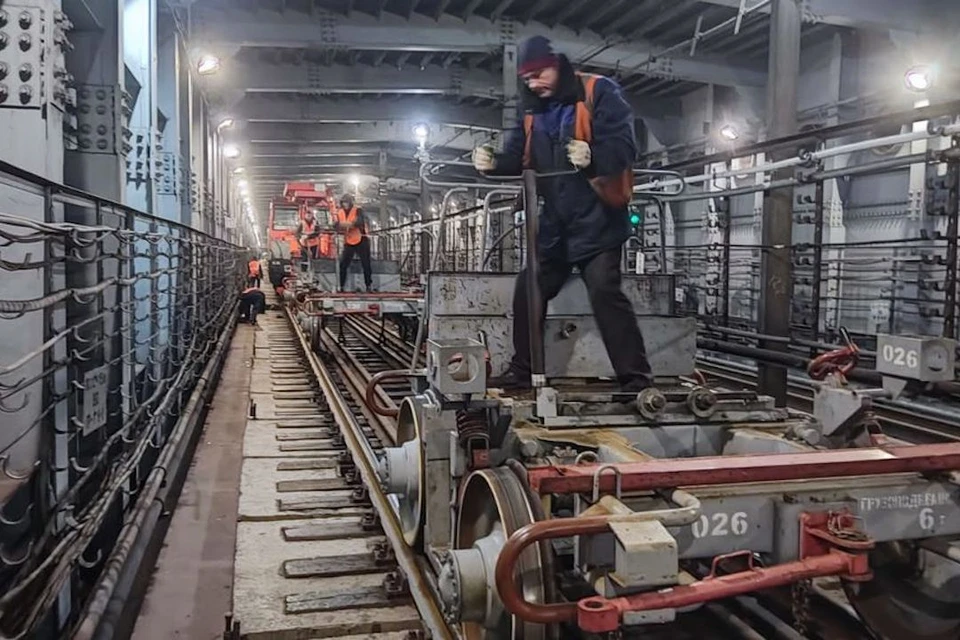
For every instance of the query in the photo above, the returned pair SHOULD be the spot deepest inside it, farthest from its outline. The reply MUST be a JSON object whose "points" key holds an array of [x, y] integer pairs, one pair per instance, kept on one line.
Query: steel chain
{"points": [[801, 606]]}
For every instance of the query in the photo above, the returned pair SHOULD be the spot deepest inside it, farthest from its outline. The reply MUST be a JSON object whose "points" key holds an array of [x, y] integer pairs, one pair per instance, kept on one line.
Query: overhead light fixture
{"points": [[919, 78], [355, 181], [433, 208], [238, 170], [231, 151], [242, 183], [208, 64], [729, 132], [421, 131], [225, 124]]}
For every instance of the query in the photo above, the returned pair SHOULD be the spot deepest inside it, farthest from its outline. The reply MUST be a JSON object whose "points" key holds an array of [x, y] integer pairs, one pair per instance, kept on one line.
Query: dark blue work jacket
{"points": [[574, 224]]}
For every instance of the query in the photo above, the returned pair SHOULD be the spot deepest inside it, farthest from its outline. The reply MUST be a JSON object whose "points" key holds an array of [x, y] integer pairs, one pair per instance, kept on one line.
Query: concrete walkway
{"points": [[192, 587]]}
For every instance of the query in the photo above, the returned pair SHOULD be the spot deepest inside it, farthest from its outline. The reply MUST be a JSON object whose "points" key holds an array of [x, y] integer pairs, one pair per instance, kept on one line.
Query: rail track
{"points": [[915, 425], [358, 576]]}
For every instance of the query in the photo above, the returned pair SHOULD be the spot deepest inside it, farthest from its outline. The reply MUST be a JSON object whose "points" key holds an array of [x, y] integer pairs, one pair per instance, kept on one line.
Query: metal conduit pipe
{"points": [[144, 531], [901, 117], [799, 342], [496, 243], [752, 352], [434, 260], [880, 165], [510, 594], [812, 157], [735, 623], [742, 191], [780, 628], [487, 201], [861, 375]]}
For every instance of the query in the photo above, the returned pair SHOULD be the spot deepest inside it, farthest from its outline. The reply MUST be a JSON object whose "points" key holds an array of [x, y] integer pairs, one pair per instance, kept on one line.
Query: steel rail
{"points": [[901, 421], [419, 587]]}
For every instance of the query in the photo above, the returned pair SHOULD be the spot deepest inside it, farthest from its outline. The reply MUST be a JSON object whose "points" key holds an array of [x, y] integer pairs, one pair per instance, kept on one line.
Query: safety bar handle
{"points": [[496, 179], [715, 565], [676, 179]]}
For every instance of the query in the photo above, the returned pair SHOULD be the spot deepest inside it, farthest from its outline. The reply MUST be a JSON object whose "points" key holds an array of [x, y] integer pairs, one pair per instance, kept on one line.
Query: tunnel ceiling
{"points": [[318, 88]]}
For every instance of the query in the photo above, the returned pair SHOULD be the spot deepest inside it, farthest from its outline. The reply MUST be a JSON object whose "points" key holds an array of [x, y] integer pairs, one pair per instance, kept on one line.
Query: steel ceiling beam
{"points": [[403, 151], [267, 108], [348, 134], [309, 78], [894, 15], [286, 107], [225, 31]]}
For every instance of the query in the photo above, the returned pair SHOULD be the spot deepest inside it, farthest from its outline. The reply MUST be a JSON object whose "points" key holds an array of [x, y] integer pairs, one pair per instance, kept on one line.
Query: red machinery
{"points": [[286, 214]]}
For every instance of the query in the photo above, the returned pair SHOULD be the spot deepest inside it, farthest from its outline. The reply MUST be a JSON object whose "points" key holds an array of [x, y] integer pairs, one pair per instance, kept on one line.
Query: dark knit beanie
{"points": [[536, 53]]}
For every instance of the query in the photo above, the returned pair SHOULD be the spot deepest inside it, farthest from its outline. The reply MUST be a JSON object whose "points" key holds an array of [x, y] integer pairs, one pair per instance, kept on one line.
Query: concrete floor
{"points": [[192, 586]]}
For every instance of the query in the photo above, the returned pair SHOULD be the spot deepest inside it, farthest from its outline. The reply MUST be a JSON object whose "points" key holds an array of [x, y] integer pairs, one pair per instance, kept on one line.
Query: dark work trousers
{"points": [[611, 308], [254, 281], [362, 250], [251, 304], [309, 253]]}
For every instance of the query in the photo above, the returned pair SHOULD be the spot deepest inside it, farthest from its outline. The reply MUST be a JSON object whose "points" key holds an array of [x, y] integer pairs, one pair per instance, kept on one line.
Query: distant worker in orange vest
{"points": [[309, 234], [353, 225], [254, 272]]}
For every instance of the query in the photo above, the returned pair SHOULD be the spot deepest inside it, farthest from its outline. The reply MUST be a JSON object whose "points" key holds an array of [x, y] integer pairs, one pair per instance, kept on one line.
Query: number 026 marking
{"points": [[719, 525], [899, 356]]}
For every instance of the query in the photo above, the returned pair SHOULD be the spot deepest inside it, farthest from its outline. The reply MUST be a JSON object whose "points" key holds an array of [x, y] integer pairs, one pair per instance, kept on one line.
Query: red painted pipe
{"points": [[507, 585], [370, 394], [598, 615], [777, 467]]}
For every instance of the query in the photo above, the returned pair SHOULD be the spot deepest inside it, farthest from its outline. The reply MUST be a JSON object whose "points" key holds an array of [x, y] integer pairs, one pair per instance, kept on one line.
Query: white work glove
{"points": [[579, 154], [483, 158]]}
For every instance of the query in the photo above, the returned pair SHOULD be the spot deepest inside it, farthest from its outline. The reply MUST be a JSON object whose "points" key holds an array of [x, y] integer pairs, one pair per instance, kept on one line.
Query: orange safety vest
{"points": [[326, 245], [352, 235], [614, 191], [254, 267], [307, 230]]}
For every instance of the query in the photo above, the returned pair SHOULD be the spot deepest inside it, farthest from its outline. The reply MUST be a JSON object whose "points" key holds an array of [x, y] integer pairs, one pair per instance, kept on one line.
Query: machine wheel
{"points": [[410, 504], [494, 504], [315, 334], [915, 594]]}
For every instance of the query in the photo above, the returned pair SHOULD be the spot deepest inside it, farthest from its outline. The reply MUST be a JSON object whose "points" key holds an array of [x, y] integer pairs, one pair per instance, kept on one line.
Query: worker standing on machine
{"points": [[352, 223], [580, 120], [308, 231]]}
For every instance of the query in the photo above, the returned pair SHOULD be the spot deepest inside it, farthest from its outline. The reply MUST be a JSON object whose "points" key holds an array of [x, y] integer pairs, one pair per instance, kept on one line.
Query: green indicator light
{"points": [[634, 219]]}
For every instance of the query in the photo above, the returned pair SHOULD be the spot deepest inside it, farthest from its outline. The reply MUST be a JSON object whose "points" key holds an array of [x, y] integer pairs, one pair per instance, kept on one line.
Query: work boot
{"points": [[636, 385], [370, 288], [511, 379]]}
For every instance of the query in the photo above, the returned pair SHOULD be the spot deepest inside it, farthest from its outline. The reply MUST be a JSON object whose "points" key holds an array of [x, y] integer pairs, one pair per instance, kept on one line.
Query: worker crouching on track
{"points": [[254, 273], [252, 303], [584, 121], [352, 223]]}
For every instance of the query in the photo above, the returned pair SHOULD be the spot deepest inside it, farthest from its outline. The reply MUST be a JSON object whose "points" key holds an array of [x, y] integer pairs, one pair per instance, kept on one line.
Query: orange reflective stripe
{"points": [[583, 122]]}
